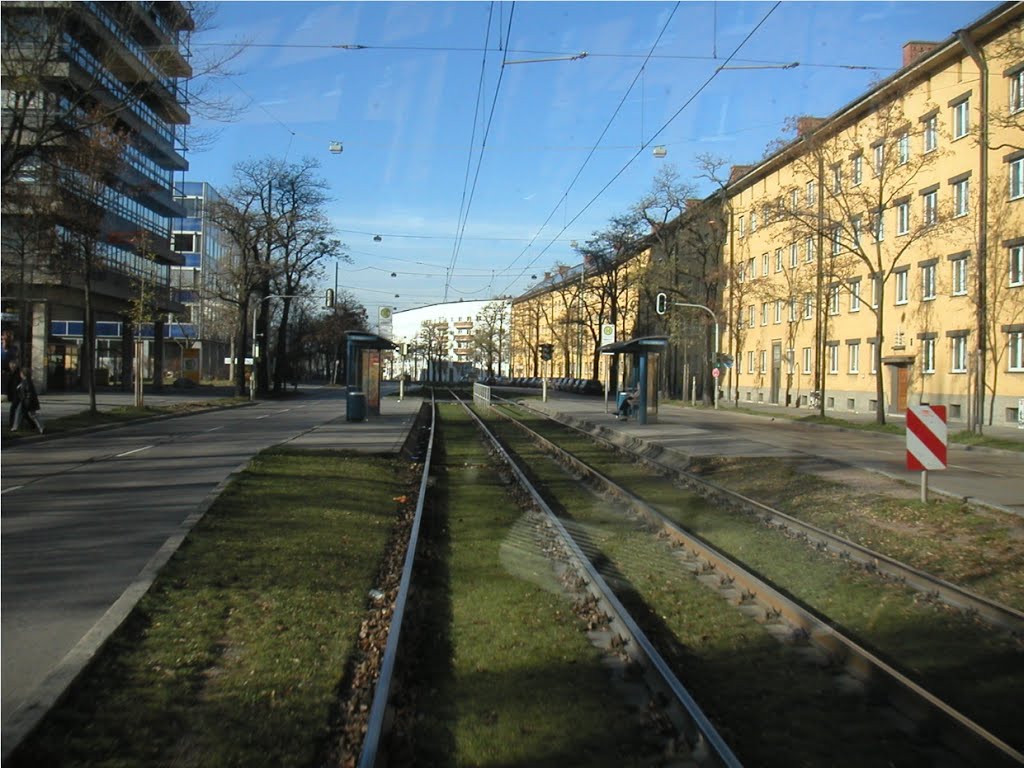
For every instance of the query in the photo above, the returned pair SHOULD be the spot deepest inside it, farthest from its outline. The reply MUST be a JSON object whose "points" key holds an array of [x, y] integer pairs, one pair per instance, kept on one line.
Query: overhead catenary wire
{"points": [[657, 133], [593, 149], [483, 148]]}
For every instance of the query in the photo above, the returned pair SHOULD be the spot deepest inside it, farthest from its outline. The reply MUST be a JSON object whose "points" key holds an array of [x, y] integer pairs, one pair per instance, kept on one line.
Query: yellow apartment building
{"points": [[878, 258], [568, 309]]}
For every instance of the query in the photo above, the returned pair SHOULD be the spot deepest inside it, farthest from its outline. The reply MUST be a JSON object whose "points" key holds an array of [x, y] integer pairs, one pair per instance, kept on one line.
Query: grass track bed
{"points": [[514, 679], [234, 656], [979, 671]]}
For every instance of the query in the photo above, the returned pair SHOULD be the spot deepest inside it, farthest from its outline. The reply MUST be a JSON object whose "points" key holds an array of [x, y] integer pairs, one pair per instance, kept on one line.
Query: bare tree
{"points": [[491, 335], [81, 178], [611, 273], [303, 239], [869, 211], [433, 343]]}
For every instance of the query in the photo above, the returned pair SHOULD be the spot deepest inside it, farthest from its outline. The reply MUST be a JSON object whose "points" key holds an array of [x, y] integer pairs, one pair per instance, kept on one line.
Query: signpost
{"points": [[926, 441]]}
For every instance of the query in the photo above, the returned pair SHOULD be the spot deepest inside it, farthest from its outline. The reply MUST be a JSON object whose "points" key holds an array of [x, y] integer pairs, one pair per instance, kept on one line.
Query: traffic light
{"points": [[546, 351], [661, 303]]}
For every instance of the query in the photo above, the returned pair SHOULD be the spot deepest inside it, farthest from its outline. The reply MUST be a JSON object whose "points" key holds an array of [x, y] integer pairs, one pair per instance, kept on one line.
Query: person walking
{"points": [[28, 403], [11, 384]]}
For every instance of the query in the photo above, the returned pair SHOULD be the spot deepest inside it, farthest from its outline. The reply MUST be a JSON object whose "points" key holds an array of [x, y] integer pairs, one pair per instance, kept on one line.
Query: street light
{"points": [[255, 340]]}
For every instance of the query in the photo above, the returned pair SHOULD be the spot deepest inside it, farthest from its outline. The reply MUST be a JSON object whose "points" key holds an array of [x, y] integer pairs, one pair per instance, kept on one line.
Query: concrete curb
{"points": [[56, 684]]}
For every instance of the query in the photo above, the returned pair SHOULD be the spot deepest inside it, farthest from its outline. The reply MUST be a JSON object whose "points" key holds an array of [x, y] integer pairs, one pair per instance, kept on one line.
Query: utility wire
{"points": [[590, 154], [483, 148], [665, 125]]}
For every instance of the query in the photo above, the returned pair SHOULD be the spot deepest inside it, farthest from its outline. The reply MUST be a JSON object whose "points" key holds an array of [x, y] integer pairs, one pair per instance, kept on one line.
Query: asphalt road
{"points": [[83, 514]]}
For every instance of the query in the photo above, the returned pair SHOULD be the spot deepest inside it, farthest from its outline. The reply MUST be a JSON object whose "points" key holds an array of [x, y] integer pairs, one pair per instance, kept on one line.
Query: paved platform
{"points": [[991, 477], [381, 434]]}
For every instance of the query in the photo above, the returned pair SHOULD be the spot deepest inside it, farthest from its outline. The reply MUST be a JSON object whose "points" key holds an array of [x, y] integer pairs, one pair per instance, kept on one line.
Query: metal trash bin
{"points": [[355, 406]]}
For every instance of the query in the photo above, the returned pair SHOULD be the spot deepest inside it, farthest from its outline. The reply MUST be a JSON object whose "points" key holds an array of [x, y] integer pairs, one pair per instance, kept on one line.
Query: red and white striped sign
{"points": [[926, 437]]}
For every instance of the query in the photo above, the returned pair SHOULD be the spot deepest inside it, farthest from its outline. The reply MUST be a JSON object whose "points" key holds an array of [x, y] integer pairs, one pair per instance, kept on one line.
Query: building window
{"points": [[750, 361], [743, 226], [778, 311], [878, 158], [1016, 350], [750, 316], [1017, 92], [808, 306], [931, 134], [854, 355], [878, 225], [928, 282], [833, 299], [811, 193], [751, 272], [903, 148], [855, 296], [837, 179], [778, 259], [901, 287], [873, 353], [794, 255], [836, 238], [960, 277], [764, 263], [930, 210], [807, 361], [809, 250], [961, 197], [833, 358], [764, 313], [856, 226], [763, 360], [792, 310], [790, 361], [959, 351], [857, 170], [928, 355], [961, 119], [794, 199], [903, 218], [753, 221], [1017, 265], [1017, 178], [876, 290]]}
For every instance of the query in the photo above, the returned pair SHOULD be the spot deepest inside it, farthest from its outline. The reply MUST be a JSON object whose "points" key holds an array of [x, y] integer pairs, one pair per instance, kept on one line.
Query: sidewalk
{"points": [[996, 430], [987, 476]]}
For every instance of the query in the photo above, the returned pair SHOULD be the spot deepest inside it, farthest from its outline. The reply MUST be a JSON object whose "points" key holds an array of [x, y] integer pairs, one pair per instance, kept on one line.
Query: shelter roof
{"points": [[369, 340], [639, 344]]}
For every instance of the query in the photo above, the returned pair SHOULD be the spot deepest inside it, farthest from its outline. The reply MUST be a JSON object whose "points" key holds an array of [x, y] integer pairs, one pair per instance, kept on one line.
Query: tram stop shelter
{"points": [[643, 355], [363, 374]]}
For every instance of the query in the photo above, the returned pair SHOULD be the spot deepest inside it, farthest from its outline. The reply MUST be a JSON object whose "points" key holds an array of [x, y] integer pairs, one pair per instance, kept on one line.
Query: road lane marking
{"points": [[129, 453], [264, 416], [12, 488], [214, 429]]}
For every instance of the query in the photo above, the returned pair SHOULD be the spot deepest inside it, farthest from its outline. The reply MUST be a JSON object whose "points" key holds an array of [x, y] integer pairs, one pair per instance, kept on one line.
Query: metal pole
{"points": [[252, 372]]}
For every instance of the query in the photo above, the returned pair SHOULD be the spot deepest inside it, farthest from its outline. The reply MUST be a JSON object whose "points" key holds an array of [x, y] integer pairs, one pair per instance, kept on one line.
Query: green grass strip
{"points": [[235, 655], [526, 686]]}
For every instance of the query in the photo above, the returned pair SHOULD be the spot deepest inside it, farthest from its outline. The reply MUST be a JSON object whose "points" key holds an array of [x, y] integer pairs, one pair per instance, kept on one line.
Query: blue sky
{"points": [[413, 107]]}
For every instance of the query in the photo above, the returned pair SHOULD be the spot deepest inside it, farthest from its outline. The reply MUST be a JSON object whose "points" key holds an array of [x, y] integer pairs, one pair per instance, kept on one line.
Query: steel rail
{"points": [[702, 737], [382, 690], [991, 611], [860, 662]]}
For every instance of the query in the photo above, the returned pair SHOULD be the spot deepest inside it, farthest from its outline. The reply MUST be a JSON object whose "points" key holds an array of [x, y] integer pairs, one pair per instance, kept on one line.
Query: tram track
{"points": [[745, 588]]}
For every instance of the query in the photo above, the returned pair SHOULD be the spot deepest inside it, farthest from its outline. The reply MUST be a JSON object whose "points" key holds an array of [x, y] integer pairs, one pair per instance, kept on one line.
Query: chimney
{"points": [[737, 171], [807, 124], [914, 50]]}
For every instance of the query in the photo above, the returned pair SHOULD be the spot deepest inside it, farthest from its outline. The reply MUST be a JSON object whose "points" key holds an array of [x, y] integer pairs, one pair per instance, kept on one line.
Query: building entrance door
{"points": [[900, 386], [776, 371]]}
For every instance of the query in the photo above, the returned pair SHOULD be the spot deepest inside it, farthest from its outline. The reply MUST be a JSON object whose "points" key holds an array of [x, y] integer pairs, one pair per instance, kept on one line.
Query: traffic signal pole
{"points": [[661, 307]]}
